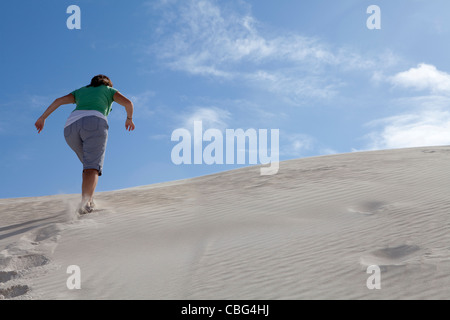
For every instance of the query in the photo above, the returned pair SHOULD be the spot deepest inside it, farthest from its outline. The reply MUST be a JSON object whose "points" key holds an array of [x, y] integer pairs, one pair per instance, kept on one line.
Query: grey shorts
{"points": [[87, 137]]}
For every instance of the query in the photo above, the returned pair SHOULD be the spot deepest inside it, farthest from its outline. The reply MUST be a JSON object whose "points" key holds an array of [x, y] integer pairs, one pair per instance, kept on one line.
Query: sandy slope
{"points": [[309, 232]]}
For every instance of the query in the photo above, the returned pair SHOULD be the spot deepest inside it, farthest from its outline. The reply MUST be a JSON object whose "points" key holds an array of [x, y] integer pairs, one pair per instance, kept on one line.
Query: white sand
{"points": [[309, 232]]}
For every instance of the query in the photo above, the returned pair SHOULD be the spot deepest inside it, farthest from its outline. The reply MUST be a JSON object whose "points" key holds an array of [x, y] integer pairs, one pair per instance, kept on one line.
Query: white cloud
{"points": [[202, 38], [424, 77], [427, 121], [296, 144], [413, 130], [211, 117], [427, 124]]}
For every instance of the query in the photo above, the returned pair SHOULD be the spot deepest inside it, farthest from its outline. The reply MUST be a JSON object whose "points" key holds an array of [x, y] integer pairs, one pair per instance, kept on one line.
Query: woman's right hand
{"points": [[129, 125], [40, 124]]}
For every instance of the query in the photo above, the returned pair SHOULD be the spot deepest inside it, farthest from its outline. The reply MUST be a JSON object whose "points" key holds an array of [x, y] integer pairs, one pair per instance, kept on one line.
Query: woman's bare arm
{"points": [[57, 103], [67, 99], [124, 101]]}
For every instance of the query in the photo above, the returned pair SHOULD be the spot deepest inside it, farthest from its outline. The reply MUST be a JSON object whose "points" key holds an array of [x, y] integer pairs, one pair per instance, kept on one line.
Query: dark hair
{"points": [[99, 80]]}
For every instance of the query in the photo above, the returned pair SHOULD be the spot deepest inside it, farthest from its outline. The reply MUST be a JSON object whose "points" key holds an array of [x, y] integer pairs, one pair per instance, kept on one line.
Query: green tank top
{"points": [[95, 98]]}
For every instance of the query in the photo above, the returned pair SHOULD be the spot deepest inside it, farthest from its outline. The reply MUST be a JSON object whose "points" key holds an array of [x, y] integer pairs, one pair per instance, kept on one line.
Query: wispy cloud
{"points": [[24, 109], [32, 101], [37, 101], [299, 144], [202, 38], [211, 117], [426, 128], [295, 144], [143, 104], [294, 90]]}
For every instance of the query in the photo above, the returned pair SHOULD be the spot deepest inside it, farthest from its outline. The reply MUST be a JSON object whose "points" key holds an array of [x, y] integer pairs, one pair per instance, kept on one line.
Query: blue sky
{"points": [[311, 69]]}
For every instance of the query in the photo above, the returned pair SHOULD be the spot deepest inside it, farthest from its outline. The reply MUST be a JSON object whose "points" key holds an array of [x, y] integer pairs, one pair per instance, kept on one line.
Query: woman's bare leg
{"points": [[90, 179]]}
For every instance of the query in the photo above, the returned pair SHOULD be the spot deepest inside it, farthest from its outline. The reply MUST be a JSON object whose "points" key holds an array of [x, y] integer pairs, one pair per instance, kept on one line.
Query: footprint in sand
{"points": [[10, 270], [13, 292], [23, 262], [369, 207], [5, 276], [17, 260], [391, 256]]}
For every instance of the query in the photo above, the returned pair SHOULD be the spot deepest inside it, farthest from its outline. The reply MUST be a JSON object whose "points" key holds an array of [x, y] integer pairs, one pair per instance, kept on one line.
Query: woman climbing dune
{"points": [[86, 129]]}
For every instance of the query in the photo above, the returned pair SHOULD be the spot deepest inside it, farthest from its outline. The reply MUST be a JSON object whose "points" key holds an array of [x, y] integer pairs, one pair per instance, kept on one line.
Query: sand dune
{"points": [[308, 232]]}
